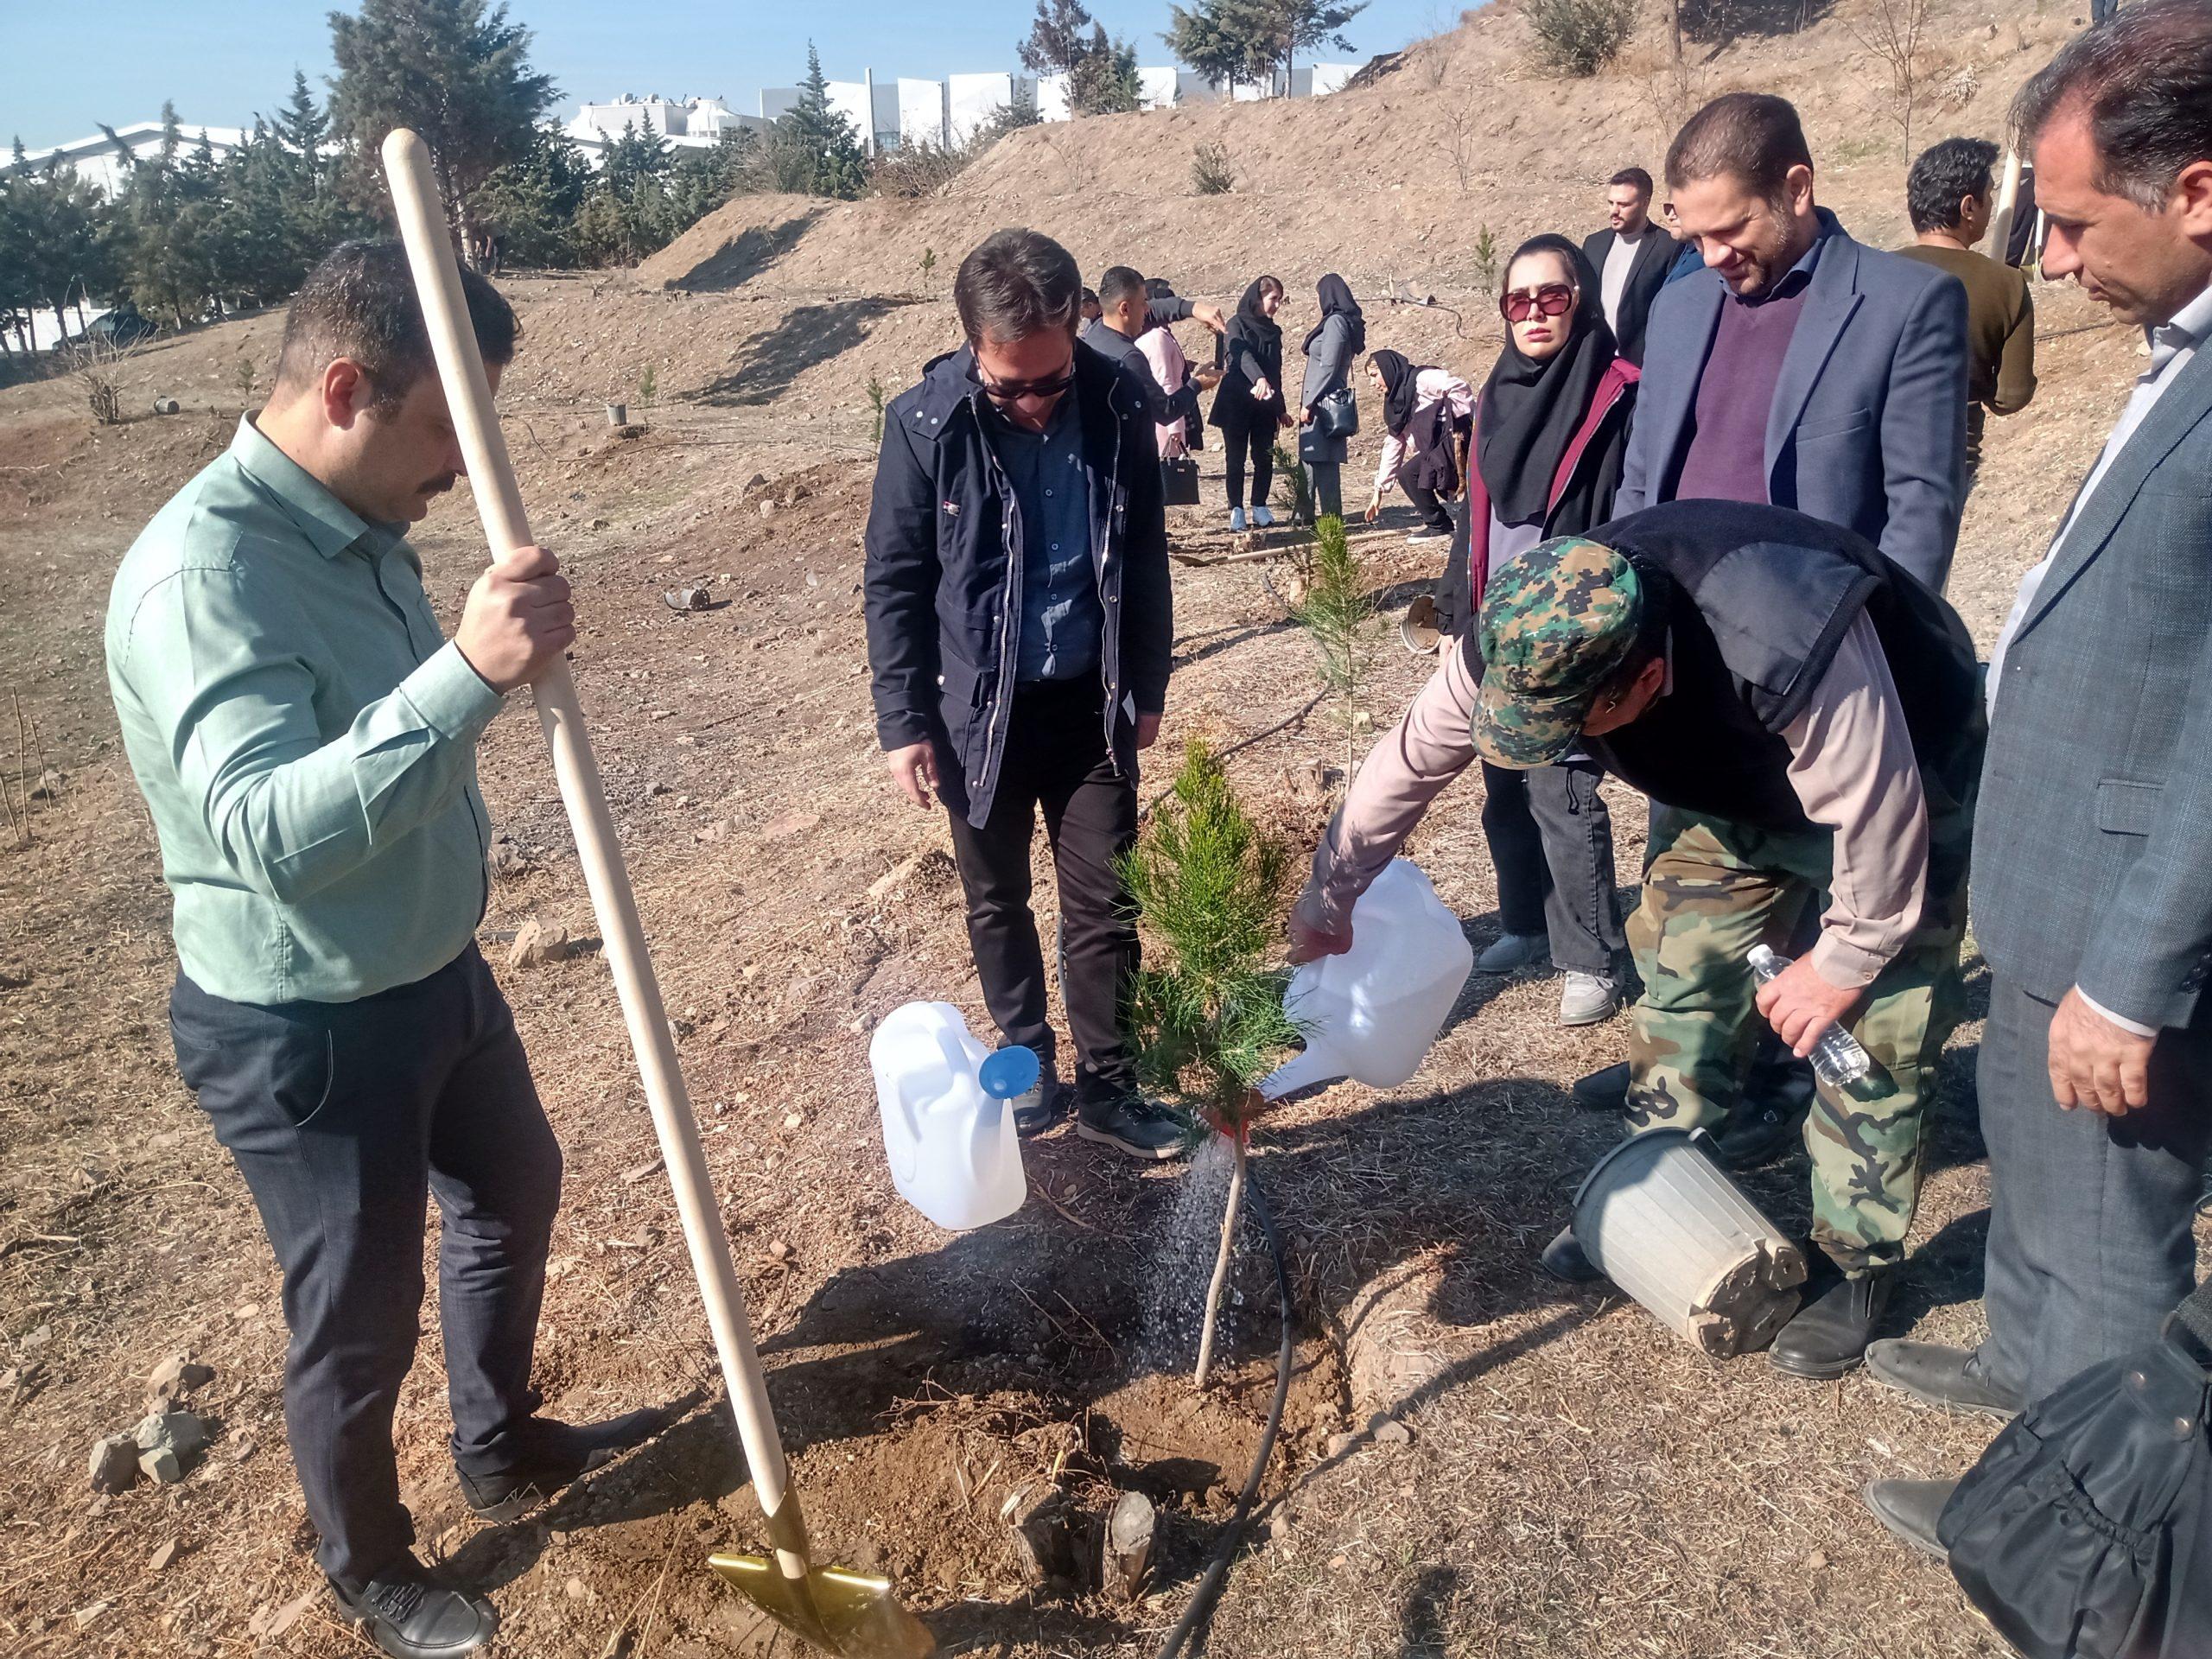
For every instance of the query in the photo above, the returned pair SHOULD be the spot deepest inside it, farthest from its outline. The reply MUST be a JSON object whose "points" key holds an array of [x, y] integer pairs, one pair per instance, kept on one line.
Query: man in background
{"points": [[305, 736], [1949, 194], [2092, 893], [1019, 630], [1631, 259], [1126, 311]]}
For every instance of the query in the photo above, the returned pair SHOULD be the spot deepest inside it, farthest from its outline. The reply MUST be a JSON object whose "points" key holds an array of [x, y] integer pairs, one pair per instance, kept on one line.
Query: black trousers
{"points": [[1258, 443], [1552, 839], [1426, 501], [345, 1118], [1057, 761]]}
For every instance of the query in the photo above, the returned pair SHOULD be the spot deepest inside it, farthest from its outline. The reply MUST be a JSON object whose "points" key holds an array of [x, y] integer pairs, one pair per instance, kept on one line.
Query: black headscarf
{"points": [[1531, 410], [1337, 301], [1400, 392], [1234, 406]]}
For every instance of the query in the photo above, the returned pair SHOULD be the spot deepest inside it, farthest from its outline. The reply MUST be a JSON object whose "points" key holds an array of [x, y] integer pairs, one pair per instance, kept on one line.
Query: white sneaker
{"points": [[1585, 999], [1262, 518], [1513, 950], [1235, 520]]}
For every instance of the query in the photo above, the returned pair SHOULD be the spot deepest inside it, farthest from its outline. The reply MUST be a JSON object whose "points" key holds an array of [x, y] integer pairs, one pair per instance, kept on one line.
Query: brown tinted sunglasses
{"points": [[1552, 300]]}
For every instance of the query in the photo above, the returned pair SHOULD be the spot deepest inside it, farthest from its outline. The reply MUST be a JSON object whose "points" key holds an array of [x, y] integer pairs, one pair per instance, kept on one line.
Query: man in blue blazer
{"points": [[1806, 371]]}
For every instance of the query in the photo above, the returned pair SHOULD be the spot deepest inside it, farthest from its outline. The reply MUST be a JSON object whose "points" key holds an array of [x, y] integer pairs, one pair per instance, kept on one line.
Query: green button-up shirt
{"points": [[303, 734]]}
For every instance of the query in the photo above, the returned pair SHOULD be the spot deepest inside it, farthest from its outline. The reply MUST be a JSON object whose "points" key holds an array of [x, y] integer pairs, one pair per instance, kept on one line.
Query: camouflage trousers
{"points": [[1712, 890]]}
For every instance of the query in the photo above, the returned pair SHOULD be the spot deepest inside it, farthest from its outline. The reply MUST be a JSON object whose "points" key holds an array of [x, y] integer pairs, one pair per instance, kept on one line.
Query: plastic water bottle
{"points": [[1837, 1057], [1371, 1014], [947, 1133]]}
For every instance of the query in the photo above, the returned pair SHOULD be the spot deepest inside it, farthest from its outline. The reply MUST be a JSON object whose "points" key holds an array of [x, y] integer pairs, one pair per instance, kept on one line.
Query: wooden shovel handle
{"points": [[498, 503]]}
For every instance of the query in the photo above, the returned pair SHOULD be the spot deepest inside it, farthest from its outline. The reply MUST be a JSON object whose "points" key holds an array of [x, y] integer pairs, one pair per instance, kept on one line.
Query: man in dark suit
{"points": [[2092, 890], [1631, 258], [1808, 371]]}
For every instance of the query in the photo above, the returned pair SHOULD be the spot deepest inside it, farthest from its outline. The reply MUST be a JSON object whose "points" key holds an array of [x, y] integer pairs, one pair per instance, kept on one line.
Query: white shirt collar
{"points": [[2189, 328]]}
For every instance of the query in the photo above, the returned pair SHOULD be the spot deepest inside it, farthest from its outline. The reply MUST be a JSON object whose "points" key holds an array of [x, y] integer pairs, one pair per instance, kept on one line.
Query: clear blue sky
{"points": [[63, 68]]}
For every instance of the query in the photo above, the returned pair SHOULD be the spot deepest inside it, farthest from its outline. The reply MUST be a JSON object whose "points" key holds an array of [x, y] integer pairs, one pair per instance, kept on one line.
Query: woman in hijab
{"points": [[1164, 354], [1248, 408], [1426, 412], [1550, 430], [1331, 346]]}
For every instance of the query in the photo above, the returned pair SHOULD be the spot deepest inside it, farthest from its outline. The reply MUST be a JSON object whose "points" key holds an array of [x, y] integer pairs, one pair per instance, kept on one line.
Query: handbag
{"points": [[1179, 481], [2085, 1531], [1336, 414]]}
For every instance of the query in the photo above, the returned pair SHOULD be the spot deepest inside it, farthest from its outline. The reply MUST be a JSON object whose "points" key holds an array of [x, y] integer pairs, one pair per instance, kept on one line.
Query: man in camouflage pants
{"points": [[1806, 720]]}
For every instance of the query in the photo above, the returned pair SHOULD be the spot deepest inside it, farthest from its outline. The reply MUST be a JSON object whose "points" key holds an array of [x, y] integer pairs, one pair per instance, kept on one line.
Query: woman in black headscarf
{"points": [[1426, 413], [1248, 408], [1550, 429], [1331, 345]]}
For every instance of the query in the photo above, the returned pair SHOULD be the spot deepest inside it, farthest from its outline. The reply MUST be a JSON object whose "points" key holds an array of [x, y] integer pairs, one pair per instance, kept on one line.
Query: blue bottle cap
{"points": [[1009, 1072]]}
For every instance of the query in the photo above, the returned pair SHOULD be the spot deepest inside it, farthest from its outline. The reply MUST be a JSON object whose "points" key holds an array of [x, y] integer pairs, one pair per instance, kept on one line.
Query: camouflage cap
{"points": [[1558, 622]]}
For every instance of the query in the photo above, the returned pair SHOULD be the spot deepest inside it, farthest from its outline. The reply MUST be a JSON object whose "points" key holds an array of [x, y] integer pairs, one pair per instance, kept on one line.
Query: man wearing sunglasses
{"points": [[1018, 632]]}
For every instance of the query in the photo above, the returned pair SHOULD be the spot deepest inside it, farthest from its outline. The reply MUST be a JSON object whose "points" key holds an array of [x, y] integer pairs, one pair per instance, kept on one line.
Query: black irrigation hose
{"points": [[1217, 1573]]}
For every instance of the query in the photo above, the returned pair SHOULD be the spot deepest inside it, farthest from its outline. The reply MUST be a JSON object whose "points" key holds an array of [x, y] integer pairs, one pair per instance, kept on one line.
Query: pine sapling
{"points": [[1338, 613], [1206, 1012], [878, 396], [1291, 471]]}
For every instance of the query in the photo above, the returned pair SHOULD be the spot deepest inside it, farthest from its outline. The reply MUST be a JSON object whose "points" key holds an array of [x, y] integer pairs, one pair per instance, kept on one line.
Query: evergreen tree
{"points": [[823, 156], [528, 209], [1058, 38], [1301, 24], [1250, 40], [1104, 80], [456, 73], [54, 251]]}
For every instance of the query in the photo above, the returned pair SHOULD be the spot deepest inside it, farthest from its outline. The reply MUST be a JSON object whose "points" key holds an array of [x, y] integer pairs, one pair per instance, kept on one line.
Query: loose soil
{"points": [[1568, 1478]]}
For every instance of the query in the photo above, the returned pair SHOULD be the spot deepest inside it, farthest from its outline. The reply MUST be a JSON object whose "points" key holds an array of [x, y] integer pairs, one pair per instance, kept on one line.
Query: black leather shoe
{"points": [[1937, 1375], [1603, 1090], [1829, 1335], [409, 1615], [1757, 1132], [1910, 1508], [553, 1455], [1563, 1258], [1037, 1109]]}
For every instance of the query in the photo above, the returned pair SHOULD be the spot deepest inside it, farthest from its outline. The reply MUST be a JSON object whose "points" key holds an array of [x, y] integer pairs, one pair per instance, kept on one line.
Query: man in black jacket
{"points": [[1125, 311], [1019, 630], [1632, 258]]}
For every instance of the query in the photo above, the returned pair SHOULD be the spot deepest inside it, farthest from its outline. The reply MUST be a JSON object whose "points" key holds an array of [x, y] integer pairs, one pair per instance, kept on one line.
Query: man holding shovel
{"points": [[305, 738], [1807, 721]]}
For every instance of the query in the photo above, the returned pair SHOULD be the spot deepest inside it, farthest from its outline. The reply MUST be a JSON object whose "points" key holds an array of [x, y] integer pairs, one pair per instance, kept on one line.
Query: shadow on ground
{"points": [[771, 360], [746, 256]]}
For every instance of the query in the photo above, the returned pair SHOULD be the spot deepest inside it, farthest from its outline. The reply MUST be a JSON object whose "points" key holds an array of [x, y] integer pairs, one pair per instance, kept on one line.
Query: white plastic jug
{"points": [[1370, 1013], [948, 1133]]}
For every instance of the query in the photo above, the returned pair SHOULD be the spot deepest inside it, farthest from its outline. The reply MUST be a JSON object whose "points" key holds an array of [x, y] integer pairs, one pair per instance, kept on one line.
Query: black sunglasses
{"points": [[1013, 391]]}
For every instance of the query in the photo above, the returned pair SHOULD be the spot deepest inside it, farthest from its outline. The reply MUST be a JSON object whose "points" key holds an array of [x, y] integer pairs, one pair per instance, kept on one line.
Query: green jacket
{"points": [[304, 736]]}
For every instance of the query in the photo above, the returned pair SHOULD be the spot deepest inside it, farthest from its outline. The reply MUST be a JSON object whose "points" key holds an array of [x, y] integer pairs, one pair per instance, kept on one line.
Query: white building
{"points": [[686, 124], [971, 100], [105, 161]]}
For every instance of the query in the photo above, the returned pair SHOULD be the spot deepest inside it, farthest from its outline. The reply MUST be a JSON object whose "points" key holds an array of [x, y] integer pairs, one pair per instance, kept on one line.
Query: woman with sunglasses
{"points": [[1551, 428], [1427, 412], [1248, 408]]}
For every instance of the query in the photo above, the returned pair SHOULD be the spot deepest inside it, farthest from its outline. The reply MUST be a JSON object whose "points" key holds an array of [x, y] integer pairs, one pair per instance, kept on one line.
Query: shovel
{"points": [[851, 1614]]}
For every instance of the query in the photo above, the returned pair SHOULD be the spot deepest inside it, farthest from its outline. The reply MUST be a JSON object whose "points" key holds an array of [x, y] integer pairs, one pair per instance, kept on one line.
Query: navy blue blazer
{"points": [[1868, 426]]}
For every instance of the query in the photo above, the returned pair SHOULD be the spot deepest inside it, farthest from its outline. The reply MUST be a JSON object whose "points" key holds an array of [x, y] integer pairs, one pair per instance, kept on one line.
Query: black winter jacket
{"points": [[943, 585]]}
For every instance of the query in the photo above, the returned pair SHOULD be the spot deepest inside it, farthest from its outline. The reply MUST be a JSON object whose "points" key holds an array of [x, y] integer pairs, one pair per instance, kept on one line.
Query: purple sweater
{"points": [[1725, 459]]}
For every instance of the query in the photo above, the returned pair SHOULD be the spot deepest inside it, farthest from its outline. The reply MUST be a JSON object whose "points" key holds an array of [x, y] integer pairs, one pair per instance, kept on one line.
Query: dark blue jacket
{"points": [[943, 577], [1868, 425]]}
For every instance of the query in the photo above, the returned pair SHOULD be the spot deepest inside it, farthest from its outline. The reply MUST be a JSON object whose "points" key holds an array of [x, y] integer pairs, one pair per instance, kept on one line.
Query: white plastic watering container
{"points": [[1662, 1219], [948, 1133], [1370, 1013]]}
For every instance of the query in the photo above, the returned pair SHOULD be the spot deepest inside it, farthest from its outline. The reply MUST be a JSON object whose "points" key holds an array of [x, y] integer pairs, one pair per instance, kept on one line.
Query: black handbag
{"points": [[1179, 481], [1336, 414], [2085, 1532]]}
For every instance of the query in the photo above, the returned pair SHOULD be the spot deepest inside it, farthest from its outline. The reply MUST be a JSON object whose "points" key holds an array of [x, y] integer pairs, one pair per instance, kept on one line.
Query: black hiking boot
{"points": [[1134, 1125], [1830, 1333], [409, 1615], [1909, 1509]]}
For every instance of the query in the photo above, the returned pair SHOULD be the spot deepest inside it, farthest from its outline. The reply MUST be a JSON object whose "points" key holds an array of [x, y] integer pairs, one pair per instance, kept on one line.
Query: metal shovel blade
{"points": [[854, 1615]]}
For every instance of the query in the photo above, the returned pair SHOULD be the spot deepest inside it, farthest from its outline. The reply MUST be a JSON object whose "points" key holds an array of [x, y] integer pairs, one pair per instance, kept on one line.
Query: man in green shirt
{"points": [[305, 737], [1949, 194]]}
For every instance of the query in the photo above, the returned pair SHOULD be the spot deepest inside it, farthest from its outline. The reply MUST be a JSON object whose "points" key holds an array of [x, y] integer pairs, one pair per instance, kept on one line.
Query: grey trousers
{"points": [[1551, 839], [2090, 1238]]}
